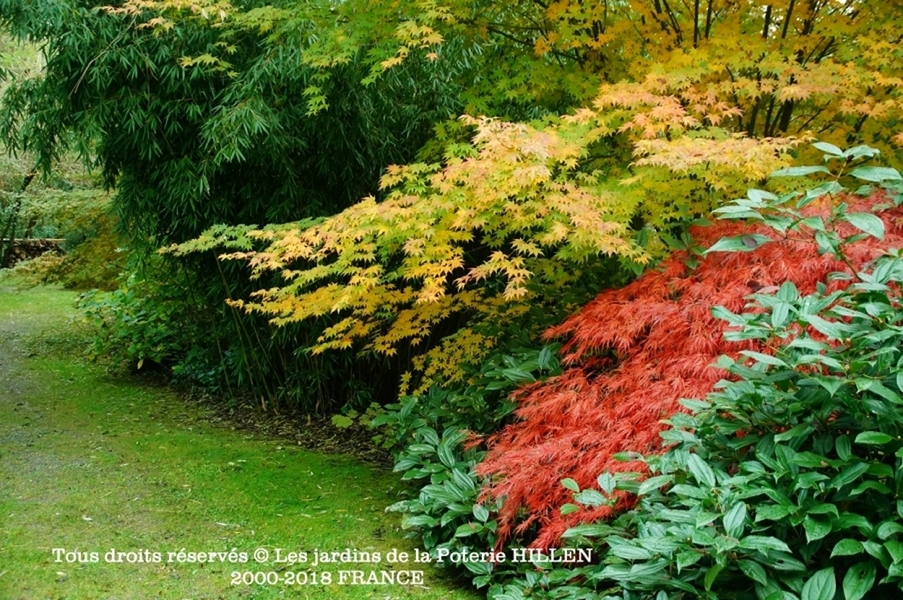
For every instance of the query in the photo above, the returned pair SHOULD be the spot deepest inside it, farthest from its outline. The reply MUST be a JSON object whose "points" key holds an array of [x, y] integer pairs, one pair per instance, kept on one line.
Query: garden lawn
{"points": [[91, 463]]}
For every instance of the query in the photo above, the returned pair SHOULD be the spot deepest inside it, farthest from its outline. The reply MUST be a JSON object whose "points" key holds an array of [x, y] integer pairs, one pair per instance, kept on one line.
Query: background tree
{"points": [[187, 146]]}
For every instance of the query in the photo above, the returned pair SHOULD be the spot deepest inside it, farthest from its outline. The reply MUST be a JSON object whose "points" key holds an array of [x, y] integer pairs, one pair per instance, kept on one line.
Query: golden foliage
{"points": [[701, 97], [499, 212], [832, 68], [483, 236]]}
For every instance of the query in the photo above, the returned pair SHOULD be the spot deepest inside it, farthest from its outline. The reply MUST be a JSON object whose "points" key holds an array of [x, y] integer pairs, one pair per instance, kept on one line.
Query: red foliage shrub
{"points": [[631, 354]]}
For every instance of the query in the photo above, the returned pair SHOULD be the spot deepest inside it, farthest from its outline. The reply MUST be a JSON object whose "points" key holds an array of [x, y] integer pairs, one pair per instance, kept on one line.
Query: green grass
{"points": [[91, 463]]}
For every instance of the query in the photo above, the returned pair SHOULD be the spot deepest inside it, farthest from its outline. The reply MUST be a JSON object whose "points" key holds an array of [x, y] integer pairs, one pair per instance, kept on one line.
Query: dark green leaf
{"points": [[873, 437], [862, 152], [870, 484], [876, 387], [799, 171], [783, 561], [629, 552], [606, 482], [569, 508], [688, 558], [816, 527], [849, 475], [480, 513], [821, 586], [570, 484], [734, 520], [467, 529], [829, 149], [754, 571], [446, 454], [876, 174], [847, 547], [801, 430], [759, 196], [653, 483], [740, 243], [815, 223], [848, 520], [875, 549], [823, 509], [701, 471], [771, 512], [888, 528], [828, 187], [831, 329], [695, 405], [545, 358], [763, 543], [895, 549], [690, 491], [590, 498], [843, 447], [764, 358], [421, 449], [779, 314], [710, 576], [588, 530], [646, 569], [867, 223], [859, 580]]}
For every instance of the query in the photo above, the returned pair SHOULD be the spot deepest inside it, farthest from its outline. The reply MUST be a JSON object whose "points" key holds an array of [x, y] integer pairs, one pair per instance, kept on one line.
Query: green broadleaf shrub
{"points": [[784, 483], [430, 433]]}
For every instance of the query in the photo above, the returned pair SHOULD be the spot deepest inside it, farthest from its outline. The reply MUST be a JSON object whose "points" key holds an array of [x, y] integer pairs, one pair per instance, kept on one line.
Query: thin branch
{"points": [[673, 18], [769, 124], [812, 118], [809, 24], [695, 23], [787, 19]]}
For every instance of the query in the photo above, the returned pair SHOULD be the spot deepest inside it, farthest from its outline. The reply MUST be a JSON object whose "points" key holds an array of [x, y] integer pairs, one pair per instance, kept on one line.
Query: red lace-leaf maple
{"points": [[632, 354]]}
